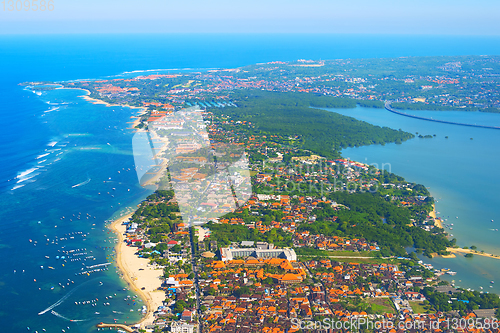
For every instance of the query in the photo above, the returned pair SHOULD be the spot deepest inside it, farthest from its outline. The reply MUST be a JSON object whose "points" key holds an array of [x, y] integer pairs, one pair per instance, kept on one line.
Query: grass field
{"points": [[381, 305], [418, 307]]}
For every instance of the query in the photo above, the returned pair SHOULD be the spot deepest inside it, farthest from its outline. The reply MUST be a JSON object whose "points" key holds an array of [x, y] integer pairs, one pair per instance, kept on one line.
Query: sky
{"points": [[436, 17]]}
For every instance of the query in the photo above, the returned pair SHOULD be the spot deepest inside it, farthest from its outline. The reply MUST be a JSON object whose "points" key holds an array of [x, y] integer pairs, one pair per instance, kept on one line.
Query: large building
{"points": [[229, 253], [182, 327]]}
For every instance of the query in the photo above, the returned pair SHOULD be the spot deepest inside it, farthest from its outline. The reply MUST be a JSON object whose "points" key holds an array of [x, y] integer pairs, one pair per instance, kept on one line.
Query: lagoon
{"points": [[460, 172]]}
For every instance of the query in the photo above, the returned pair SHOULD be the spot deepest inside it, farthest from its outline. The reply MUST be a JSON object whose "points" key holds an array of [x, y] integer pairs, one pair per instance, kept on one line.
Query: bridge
{"points": [[389, 108]]}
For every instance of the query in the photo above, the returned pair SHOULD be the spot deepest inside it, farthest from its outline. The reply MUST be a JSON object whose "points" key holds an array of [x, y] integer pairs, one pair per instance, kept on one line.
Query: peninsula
{"points": [[320, 236]]}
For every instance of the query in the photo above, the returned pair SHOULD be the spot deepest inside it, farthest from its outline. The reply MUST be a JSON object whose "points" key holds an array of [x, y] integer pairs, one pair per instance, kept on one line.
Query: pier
{"points": [[120, 326], [389, 108]]}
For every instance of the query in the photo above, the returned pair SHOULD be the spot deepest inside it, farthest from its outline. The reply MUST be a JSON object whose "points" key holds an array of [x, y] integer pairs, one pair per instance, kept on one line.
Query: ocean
{"points": [[66, 164]]}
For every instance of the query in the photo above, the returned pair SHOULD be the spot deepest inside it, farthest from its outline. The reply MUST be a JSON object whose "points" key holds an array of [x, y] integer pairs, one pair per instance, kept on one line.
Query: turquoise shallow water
{"points": [[461, 174], [54, 221]]}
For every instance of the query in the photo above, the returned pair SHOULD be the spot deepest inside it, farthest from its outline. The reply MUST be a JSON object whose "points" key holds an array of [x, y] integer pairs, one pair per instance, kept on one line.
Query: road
{"points": [[196, 280]]}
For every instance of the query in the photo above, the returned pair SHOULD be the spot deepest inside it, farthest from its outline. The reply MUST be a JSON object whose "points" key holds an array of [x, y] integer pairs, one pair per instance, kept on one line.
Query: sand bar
{"points": [[474, 252]]}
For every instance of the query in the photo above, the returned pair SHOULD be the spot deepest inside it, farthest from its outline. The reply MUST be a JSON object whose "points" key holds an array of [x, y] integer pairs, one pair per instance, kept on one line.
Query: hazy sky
{"points": [[458, 17]]}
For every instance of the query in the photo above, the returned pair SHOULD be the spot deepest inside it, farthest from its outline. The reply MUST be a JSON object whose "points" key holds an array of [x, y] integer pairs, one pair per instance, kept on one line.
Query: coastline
{"points": [[141, 278], [474, 252], [98, 101], [138, 273], [437, 221]]}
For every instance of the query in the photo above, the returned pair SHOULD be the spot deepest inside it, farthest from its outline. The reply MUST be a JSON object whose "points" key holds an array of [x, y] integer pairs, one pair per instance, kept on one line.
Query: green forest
{"points": [[372, 217], [322, 132]]}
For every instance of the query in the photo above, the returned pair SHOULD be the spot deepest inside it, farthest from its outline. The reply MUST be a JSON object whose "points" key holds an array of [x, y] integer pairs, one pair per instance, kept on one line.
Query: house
{"points": [[132, 228], [187, 315], [171, 243]]}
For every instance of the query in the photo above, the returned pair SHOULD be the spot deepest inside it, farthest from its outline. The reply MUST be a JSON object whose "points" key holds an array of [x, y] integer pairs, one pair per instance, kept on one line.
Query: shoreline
{"points": [[137, 273], [474, 252], [140, 277], [437, 221], [98, 101]]}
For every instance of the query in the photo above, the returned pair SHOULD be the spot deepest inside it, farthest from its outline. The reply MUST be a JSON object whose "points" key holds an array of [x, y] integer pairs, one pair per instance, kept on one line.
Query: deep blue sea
{"points": [[66, 164]]}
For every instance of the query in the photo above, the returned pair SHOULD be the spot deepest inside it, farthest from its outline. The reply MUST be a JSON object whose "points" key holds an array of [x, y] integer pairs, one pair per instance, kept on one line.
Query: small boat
{"points": [[492, 282]]}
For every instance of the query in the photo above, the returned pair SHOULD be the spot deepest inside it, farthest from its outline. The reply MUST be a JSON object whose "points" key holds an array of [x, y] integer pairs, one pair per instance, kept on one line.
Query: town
{"points": [[292, 255], [434, 83], [298, 238]]}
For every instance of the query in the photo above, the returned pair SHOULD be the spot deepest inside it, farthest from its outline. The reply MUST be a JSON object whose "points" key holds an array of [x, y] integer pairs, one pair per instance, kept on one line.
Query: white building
{"points": [[228, 253], [181, 327]]}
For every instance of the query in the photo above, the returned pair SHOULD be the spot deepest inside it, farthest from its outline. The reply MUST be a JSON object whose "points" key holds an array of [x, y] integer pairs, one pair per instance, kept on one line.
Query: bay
{"points": [[460, 173]]}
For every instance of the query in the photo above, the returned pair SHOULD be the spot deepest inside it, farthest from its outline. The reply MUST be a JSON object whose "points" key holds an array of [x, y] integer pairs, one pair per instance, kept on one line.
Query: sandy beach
{"points": [[143, 279], [138, 273], [437, 221]]}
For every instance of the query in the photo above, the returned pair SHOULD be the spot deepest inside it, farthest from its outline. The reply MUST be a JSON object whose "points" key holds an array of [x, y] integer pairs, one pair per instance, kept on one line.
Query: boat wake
{"points": [[82, 183], [59, 302], [65, 318], [52, 109]]}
